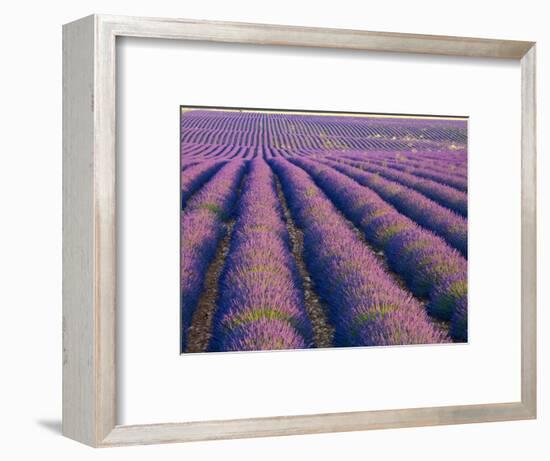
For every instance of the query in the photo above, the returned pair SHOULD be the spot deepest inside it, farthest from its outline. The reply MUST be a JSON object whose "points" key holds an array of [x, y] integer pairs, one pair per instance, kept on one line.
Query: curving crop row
{"points": [[449, 176], [194, 176], [420, 170], [455, 165], [459, 170], [201, 229], [254, 134], [447, 196], [427, 213], [366, 306], [261, 305], [428, 265], [419, 160]]}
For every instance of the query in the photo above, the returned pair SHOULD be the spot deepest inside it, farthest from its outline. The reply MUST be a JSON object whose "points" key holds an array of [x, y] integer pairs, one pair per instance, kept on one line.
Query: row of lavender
{"points": [[429, 266], [228, 135], [366, 305], [247, 128], [429, 214], [261, 302], [444, 221], [202, 226], [409, 205], [445, 195]]}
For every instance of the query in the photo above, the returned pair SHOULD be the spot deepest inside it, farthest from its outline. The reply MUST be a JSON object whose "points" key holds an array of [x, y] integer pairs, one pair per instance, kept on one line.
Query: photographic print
{"points": [[319, 229]]}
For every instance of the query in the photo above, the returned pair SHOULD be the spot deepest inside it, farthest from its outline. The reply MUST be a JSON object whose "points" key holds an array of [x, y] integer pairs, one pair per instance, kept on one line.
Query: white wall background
{"points": [[30, 243]]}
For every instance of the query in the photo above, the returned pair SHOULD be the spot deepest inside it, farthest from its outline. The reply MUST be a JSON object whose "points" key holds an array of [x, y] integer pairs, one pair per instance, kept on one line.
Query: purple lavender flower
{"points": [[201, 229], [427, 213], [420, 257], [194, 176], [447, 196], [260, 289], [364, 301], [402, 183], [421, 169]]}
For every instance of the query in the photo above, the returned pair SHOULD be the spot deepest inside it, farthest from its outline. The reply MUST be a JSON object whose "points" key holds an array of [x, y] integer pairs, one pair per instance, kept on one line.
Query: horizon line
{"points": [[328, 113]]}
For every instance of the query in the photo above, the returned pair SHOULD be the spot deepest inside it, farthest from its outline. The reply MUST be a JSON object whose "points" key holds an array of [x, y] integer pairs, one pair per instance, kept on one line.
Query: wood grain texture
{"points": [[89, 230], [269, 34], [313, 424], [529, 233], [79, 357], [89, 257], [105, 227]]}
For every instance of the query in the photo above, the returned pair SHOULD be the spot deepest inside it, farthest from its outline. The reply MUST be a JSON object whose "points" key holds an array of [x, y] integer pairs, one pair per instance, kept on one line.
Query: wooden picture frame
{"points": [[89, 237]]}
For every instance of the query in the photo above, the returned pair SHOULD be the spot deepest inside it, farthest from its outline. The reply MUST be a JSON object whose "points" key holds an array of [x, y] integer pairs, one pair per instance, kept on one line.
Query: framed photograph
{"points": [[314, 230], [274, 230]]}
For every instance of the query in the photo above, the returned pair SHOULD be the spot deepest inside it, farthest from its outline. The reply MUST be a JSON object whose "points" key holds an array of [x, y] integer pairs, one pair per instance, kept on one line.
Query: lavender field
{"points": [[308, 231]]}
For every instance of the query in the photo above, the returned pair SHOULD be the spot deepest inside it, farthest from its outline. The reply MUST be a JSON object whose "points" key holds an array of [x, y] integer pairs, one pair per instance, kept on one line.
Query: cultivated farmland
{"points": [[306, 230]]}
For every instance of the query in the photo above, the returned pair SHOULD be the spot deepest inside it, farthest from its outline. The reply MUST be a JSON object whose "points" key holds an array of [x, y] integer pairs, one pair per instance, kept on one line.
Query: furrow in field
{"points": [[323, 331], [455, 164], [423, 167], [447, 196], [430, 267], [440, 166], [200, 330], [417, 160], [193, 177], [204, 133], [261, 304], [459, 183], [425, 212], [365, 305], [202, 227]]}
